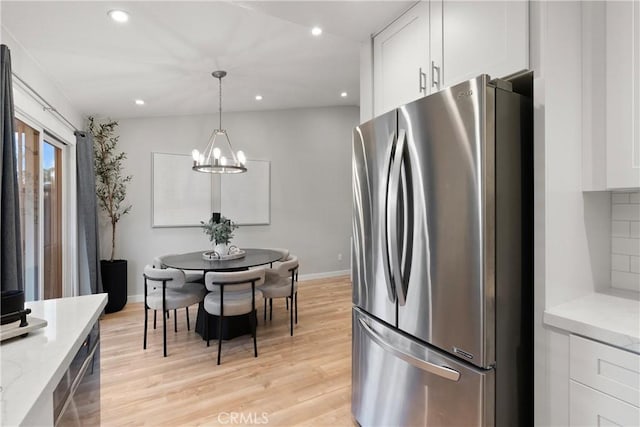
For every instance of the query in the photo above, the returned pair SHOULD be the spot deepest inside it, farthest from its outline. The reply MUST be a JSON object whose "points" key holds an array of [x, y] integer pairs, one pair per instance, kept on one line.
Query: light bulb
{"points": [[216, 153], [241, 157], [223, 161], [118, 15], [196, 155], [201, 160]]}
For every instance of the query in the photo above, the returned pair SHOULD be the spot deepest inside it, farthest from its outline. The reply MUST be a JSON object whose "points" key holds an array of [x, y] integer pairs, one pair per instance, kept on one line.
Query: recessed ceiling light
{"points": [[316, 31], [119, 15], [139, 102], [343, 94], [258, 97]]}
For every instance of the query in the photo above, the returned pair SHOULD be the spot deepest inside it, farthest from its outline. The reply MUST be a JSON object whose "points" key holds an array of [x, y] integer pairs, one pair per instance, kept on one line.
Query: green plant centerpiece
{"points": [[220, 233]]}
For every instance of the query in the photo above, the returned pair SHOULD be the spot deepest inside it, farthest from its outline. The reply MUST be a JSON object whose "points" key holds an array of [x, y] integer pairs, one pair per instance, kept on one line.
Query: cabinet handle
{"points": [[422, 81], [435, 70]]}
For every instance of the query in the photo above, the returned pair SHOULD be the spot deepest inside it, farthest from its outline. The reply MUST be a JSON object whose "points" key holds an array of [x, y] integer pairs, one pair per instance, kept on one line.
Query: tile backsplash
{"points": [[625, 240]]}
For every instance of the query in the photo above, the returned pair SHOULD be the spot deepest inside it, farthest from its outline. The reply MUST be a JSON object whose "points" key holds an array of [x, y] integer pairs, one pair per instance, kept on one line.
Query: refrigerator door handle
{"points": [[441, 371], [388, 275], [392, 218]]}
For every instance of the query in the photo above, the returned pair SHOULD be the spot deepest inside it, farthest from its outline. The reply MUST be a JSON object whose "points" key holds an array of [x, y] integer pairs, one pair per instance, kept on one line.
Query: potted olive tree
{"points": [[111, 190]]}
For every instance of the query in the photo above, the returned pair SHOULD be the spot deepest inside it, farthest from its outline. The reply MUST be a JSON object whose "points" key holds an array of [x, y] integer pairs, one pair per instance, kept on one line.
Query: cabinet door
{"points": [[623, 94], [401, 60], [484, 37], [589, 407]]}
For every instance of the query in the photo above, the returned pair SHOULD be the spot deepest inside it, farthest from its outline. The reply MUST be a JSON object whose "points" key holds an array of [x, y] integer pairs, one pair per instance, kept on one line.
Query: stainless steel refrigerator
{"points": [[442, 259]]}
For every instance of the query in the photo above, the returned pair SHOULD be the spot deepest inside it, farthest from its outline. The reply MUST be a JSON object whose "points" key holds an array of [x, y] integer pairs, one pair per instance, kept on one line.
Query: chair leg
{"points": [[164, 334], [206, 326], [187, 310], [270, 308], [175, 320], [154, 318], [291, 314], [254, 320], [265, 310], [164, 318], [146, 315], [296, 299], [286, 302], [220, 321]]}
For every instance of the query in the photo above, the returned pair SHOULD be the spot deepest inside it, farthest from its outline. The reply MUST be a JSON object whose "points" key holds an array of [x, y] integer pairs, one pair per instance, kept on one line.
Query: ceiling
{"points": [[166, 52]]}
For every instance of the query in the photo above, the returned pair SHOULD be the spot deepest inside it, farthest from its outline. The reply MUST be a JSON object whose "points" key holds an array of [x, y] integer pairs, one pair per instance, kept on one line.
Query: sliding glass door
{"points": [[41, 188], [52, 219], [28, 170]]}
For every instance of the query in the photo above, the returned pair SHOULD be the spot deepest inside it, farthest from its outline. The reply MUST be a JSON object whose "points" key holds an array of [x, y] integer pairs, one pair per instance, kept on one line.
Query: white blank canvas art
{"points": [[181, 196]]}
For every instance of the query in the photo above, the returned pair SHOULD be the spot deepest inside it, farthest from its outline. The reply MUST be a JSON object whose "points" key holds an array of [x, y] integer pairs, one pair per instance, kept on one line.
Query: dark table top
{"points": [[194, 260]]}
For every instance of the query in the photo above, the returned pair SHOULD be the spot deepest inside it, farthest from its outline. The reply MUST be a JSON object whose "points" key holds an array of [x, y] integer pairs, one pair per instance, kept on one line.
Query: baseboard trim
{"points": [[301, 278], [325, 275], [135, 298]]}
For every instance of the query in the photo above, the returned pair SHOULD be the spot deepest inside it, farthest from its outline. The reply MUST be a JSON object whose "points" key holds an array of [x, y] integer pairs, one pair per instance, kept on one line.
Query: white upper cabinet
{"points": [[482, 37], [437, 43], [611, 95], [401, 60], [623, 94]]}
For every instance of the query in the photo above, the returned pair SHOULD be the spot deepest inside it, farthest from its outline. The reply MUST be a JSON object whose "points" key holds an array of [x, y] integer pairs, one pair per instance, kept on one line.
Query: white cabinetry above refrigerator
{"points": [[437, 43], [611, 95]]}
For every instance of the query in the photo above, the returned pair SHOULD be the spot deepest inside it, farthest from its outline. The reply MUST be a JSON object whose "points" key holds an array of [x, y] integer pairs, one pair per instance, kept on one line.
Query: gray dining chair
{"points": [[195, 276], [284, 253], [166, 289], [282, 282], [232, 294]]}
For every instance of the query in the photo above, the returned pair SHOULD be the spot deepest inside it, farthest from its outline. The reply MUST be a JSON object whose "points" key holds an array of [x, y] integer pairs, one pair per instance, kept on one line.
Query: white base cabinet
{"points": [[604, 386], [589, 407]]}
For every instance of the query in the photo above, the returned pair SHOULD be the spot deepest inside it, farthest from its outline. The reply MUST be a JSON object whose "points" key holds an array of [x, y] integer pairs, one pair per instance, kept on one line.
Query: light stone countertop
{"points": [[31, 367], [612, 317]]}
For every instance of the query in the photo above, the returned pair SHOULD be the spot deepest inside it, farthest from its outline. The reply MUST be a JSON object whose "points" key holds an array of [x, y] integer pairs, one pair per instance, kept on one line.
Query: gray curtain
{"points": [[11, 244], [90, 280]]}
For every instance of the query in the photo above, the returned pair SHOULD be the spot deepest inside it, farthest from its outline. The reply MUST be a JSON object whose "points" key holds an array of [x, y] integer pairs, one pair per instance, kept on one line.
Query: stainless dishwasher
{"points": [[76, 398]]}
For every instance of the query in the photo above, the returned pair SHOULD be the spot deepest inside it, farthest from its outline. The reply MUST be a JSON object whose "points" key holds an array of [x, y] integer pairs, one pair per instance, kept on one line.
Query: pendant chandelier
{"points": [[219, 156]]}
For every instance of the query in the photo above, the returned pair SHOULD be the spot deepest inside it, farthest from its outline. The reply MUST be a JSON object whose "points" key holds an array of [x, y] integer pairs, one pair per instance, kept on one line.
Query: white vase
{"points": [[222, 249]]}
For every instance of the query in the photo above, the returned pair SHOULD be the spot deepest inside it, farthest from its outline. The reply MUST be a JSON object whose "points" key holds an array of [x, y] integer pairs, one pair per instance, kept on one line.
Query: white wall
{"points": [[571, 227], [310, 154], [30, 71]]}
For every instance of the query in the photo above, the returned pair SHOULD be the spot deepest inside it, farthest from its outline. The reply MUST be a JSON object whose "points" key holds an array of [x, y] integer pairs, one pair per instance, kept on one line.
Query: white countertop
{"points": [[612, 317], [32, 366]]}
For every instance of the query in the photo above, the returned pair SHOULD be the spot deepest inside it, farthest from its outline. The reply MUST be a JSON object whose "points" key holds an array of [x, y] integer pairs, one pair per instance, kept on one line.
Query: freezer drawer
{"points": [[400, 382]]}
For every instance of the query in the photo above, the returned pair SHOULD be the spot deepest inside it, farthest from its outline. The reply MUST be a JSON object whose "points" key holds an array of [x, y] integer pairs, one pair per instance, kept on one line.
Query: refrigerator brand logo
{"points": [[465, 94]]}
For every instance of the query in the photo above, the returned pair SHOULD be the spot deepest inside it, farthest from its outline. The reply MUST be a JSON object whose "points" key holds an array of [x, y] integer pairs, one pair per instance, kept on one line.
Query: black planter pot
{"points": [[114, 282]]}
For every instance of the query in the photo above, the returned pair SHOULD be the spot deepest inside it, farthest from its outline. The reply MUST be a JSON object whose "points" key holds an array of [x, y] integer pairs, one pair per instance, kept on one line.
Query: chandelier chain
{"points": [[220, 102]]}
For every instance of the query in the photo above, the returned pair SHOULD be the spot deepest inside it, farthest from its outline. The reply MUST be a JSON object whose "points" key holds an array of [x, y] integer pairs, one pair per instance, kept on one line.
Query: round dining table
{"points": [[232, 326], [195, 261]]}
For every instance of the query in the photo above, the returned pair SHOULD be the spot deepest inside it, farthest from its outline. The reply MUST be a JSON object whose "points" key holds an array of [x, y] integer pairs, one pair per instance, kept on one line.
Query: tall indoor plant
{"points": [[111, 191]]}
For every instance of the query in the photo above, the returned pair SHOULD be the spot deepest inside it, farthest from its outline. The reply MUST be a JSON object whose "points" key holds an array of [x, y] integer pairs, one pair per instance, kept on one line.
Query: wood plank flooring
{"points": [[299, 380]]}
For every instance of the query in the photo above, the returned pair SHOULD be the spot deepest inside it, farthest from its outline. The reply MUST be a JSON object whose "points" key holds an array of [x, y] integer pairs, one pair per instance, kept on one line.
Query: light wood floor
{"points": [[299, 380]]}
